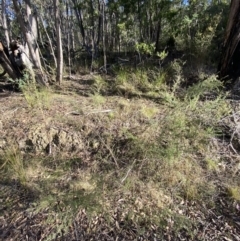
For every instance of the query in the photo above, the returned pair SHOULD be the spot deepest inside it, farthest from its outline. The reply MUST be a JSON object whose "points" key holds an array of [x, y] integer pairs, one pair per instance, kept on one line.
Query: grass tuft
{"points": [[14, 164], [234, 192], [36, 97]]}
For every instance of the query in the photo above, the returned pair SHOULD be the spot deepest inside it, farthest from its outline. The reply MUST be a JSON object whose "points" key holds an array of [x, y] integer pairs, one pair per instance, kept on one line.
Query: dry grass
{"points": [[144, 157]]}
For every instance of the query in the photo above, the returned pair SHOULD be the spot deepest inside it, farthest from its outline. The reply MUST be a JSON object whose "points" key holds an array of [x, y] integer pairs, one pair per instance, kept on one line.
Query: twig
{"points": [[229, 116], [126, 175], [110, 151], [100, 111], [14, 110], [231, 145], [89, 113], [130, 169], [73, 113], [233, 148]]}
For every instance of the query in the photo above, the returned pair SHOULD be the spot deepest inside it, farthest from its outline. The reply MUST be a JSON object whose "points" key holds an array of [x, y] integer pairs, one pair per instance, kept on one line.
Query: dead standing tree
{"points": [[229, 66]]}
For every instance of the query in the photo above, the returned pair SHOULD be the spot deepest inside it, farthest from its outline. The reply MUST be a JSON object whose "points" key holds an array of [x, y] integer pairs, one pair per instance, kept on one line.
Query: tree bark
{"points": [[100, 20], [230, 59], [4, 23], [49, 42], [80, 21], [69, 30], [140, 21], [59, 43], [159, 28], [30, 34], [104, 35]]}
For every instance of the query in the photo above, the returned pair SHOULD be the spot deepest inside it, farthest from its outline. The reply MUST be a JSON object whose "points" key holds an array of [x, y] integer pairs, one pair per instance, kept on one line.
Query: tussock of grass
{"points": [[13, 162], [36, 97], [204, 87], [98, 99], [99, 84], [149, 112], [234, 192]]}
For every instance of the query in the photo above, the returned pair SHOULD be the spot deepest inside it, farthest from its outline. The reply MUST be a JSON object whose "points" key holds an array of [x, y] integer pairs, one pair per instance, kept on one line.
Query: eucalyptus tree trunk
{"points": [[149, 17], [49, 42], [92, 21], [140, 20], [33, 36], [59, 43], [80, 21], [92, 31], [68, 27], [29, 30], [72, 37], [230, 60], [100, 20], [159, 29], [4, 23], [104, 35]]}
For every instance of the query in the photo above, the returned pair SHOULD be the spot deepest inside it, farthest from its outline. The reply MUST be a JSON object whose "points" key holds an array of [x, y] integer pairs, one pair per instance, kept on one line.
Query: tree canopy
{"points": [[195, 27]]}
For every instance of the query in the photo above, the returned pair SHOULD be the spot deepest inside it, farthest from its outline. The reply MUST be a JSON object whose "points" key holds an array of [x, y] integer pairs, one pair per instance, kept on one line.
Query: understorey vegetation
{"points": [[136, 157], [131, 135]]}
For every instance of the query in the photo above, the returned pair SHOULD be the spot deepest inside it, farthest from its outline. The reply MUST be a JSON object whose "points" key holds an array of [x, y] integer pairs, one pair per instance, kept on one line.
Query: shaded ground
{"points": [[60, 133]]}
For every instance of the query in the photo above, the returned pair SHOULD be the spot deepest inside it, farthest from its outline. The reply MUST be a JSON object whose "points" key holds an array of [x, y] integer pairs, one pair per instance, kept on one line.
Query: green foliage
{"points": [[99, 84], [162, 55], [149, 112], [211, 164], [98, 99], [144, 48], [199, 29], [141, 81], [208, 85], [35, 96], [171, 159], [183, 134], [234, 192]]}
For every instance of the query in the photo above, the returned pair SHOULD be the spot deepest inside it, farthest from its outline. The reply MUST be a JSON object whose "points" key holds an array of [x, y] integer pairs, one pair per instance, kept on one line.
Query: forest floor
{"points": [[80, 162]]}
